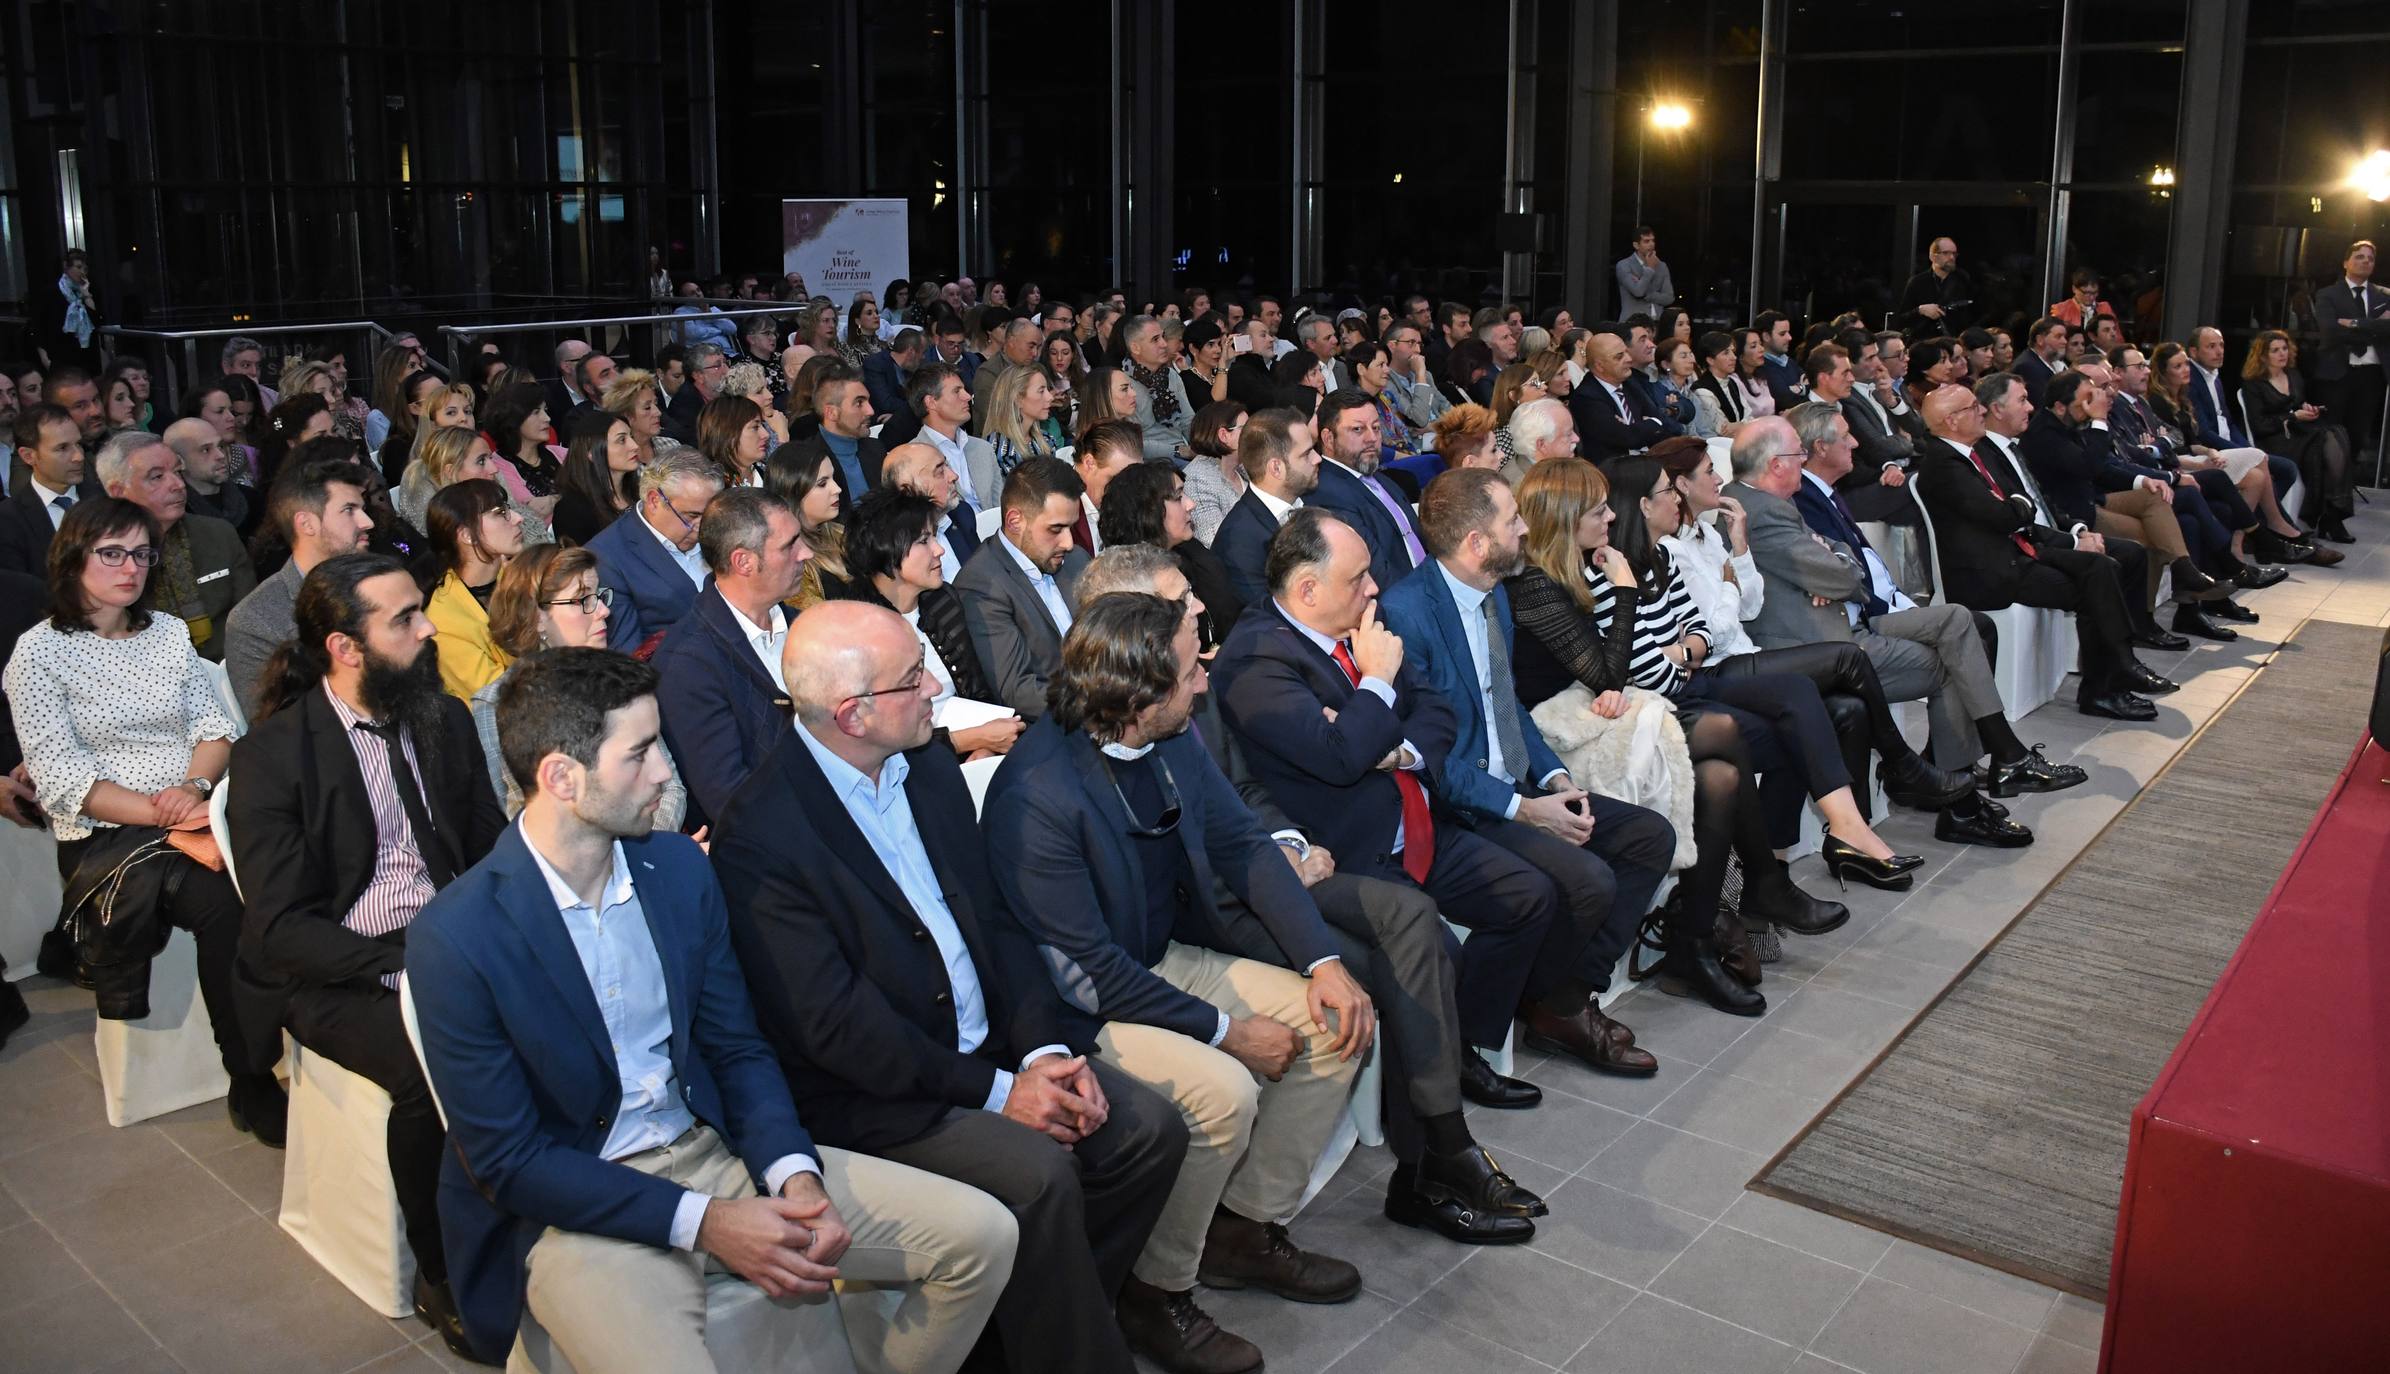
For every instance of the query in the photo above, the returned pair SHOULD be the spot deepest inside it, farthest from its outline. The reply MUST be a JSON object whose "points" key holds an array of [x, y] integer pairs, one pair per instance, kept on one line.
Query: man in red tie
{"points": [[1995, 554], [1345, 737]]}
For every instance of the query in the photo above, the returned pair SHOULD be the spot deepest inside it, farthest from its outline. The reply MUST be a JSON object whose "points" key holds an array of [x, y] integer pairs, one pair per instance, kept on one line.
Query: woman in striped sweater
{"points": [[1602, 605]]}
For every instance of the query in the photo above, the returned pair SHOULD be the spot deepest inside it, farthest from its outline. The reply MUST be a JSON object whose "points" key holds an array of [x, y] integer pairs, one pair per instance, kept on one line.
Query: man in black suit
{"points": [[359, 794], [909, 1011], [1349, 485], [52, 475], [1346, 735], [2348, 367], [1281, 468], [2044, 356], [708, 365], [1610, 421], [1842, 374], [1995, 554]]}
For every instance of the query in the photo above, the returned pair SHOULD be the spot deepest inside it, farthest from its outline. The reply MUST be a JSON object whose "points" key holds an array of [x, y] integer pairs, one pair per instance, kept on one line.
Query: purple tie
{"points": [[1410, 540]]}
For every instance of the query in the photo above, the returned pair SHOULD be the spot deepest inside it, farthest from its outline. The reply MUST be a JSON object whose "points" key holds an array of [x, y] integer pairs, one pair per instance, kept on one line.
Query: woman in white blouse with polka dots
{"points": [[122, 726]]}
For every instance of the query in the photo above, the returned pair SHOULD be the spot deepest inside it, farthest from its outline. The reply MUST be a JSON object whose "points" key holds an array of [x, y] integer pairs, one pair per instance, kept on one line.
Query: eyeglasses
{"points": [[603, 596], [1168, 821], [910, 683], [113, 555], [687, 521]]}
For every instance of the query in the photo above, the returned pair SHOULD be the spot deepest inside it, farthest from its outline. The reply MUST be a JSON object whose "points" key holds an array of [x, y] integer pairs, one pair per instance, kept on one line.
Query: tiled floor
{"points": [[154, 1248]]}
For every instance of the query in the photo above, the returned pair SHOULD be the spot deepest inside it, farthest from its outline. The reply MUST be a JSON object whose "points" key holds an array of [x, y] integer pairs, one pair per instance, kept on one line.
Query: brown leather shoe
{"points": [[1170, 1330], [1242, 1253], [1603, 1044]]}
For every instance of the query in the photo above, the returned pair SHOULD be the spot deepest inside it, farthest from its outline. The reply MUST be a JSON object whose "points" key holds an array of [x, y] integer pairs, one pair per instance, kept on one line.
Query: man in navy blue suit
{"points": [[617, 1126], [725, 702], [1108, 826], [1349, 485], [1281, 468], [1610, 419], [1348, 736], [652, 563], [1502, 781]]}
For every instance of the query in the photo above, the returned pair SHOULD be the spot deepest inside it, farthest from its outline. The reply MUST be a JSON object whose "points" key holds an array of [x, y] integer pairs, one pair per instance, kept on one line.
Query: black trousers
{"points": [[1787, 698], [1605, 885], [2091, 586], [359, 1029], [2355, 401], [2131, 558], [1391, 937], [1084, 1215], [206, 904]]}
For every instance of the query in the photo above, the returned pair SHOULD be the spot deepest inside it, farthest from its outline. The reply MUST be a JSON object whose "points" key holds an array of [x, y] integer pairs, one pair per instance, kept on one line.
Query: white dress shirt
{"points": [[2363, 291], [1278, 509], [690, 560], [953, 449], [1095, 532], [618, 957], [1048, 590], [1879, 577], [766, 642], [49, 501]]}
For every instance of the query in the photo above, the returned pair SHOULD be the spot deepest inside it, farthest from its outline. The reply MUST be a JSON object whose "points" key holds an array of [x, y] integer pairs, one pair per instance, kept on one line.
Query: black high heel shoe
{"points": [[1896, 874]]}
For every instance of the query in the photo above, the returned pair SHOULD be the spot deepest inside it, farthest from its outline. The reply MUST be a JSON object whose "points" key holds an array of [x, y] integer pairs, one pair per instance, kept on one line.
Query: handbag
{"points": [[114, 912]]}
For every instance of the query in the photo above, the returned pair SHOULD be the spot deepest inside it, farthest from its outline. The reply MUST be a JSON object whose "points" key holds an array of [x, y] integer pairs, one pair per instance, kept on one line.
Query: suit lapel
{"points": [[523, 895], [349, 809], [715, 613], [1113, 833], [840, 835], [680, 989]]}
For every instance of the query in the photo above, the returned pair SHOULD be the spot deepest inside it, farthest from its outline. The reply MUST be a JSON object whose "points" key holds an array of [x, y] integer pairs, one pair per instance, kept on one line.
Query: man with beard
{"points": [[361, 794], [1281, 468], [1016, 590], [925, 471], [203, 570], [1349, 485], [207, 475], [317, 506]]}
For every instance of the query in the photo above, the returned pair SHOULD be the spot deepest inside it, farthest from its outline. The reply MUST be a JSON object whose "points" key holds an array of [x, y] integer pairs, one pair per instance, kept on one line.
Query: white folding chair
{"points": [[29, 899], [167, 1060], [338, 1200], [990, 521], [2037, 646]]}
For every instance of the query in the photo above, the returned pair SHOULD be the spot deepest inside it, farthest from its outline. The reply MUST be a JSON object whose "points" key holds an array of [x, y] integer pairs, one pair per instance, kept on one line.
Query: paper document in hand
{"points": [[962, 713]]}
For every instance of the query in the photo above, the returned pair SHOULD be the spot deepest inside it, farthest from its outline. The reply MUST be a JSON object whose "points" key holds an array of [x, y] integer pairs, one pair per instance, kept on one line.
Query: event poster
{"points": [[845, 246]]}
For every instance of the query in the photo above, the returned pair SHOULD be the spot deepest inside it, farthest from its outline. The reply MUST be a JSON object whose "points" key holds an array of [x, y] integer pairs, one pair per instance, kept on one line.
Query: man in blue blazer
{"points": [[616, 1124], [1281, 468], [1107, 827], [1606, 857], [651, 562], [725, 704], [1349, 486]]}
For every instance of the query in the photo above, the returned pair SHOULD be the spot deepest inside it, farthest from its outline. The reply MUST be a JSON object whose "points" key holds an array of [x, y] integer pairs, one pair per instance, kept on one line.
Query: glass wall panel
{"points": [[2125, 115]]}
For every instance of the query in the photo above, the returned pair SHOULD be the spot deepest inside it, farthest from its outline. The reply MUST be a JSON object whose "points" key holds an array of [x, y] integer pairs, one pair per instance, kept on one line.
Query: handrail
{"points": [[458, 334], [171, 393]]}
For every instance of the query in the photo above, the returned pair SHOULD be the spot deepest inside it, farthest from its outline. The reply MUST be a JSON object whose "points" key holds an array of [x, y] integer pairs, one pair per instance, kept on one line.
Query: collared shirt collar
{"points": [[618, 883], [1318, 641], [1021, 560], [779, 619], [1124, 753], [1824, 487], [1464, 596], [46, 495], [849, 782], [1276, 507]]}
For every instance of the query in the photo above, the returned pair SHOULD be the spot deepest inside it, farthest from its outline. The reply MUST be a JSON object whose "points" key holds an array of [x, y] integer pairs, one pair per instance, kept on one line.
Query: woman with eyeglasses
{"points": [[549, 598], [1514, 386], [892, 561], [1215, 479], [474, 532], [125, 740]]}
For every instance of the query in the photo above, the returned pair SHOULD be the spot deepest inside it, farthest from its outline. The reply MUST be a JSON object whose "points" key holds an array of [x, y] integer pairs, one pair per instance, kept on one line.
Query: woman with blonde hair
{"points": [[1515, 386], [634, 397], [1018, 408], [548, 597], [304, 376], [444, 456], [1466, 437], [450, 413]]}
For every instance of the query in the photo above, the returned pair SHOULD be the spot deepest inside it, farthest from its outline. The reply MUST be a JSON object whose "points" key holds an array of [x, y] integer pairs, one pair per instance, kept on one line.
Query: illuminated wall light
{"points": [[1669, 116], [2372, 175]]}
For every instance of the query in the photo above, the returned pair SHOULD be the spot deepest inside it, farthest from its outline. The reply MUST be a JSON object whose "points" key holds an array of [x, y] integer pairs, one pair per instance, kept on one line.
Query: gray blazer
{"points": [[1797, 567], [1164, 440], [1643, 290], [1018, 642]]}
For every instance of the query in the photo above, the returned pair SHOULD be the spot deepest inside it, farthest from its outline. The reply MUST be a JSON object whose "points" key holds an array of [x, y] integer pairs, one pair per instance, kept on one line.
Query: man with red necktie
{"points": [[1345, 736]]}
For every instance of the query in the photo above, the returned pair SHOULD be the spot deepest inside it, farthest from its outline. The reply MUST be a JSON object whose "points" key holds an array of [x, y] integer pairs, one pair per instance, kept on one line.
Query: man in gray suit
{"points": [[1831, 586], [1644, 285], [1017, 589]]}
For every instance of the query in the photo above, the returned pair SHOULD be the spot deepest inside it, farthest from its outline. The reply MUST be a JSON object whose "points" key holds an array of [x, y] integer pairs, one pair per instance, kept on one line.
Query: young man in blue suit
{"points": [[1107, 827], [618, 1129], [1281, 468], [1349, 738], [649, 558]]}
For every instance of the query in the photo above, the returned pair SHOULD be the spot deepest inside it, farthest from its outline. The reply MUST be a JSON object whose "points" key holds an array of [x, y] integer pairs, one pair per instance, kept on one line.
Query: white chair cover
{"points": [[338, 1201]]}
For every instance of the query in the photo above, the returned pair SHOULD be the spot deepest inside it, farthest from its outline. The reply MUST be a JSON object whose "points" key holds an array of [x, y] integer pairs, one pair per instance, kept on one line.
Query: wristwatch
{"points": [[204, 786]]}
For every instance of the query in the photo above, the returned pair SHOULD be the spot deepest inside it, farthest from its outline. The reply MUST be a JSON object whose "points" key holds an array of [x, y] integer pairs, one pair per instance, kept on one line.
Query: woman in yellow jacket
{"points": [[472, 532]]}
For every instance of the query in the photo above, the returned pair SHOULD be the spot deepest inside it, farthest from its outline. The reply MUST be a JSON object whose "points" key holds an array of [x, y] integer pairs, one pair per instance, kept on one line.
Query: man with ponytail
{"points": [[357, 795]]}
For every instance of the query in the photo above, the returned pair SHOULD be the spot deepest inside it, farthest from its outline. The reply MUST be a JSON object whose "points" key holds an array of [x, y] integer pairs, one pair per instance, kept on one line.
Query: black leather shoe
{"points": [[1979, 826], [2332, 527], [2191, 582], [2276, 548], [2138, 678], [2195, 620], [1180, 1337], [1915, 783], [2034, 773], [1481, 1085], [258, 1106], [2254, 577], [1774, 897], [1692, 969], [1453, 1219], [2116, 704], [435, 1307], [2231, 610], [1471, 1178], [2158, 637]]}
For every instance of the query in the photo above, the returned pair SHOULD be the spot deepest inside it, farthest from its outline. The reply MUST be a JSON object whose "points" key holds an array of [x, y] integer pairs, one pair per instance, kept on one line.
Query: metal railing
{"points": [[460, 335], [190, 340]]}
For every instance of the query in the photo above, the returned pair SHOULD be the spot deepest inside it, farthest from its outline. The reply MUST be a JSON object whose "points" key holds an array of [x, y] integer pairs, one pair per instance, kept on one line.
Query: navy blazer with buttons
{"points": [[2217, 431], [1420, 608], [1605, 434], [651, 592], [722, 711], [521, 1064], [1242, 544], [1272, 684], [1057, 838], [1344, 494]]}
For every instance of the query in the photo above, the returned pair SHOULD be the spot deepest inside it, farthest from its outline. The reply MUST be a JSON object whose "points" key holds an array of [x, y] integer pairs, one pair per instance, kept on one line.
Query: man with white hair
{"points": [[1539, 430], [926, 471], [207, 474], [651, 564], [245, 357], [203, 570]]}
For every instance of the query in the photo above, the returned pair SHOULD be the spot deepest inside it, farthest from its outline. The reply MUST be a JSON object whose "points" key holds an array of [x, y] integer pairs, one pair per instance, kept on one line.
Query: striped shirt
{"points": [[1659, 622], [401, 884]]}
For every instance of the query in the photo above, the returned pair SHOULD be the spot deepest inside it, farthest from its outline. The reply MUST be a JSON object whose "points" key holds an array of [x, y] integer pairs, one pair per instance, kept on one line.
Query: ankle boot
{"points": [[1692, 969], [1775, 897]]}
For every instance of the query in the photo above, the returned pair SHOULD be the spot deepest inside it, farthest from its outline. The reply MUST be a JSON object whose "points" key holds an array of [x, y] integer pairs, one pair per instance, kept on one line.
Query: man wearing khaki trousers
{"points": [[1106, 827]]}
